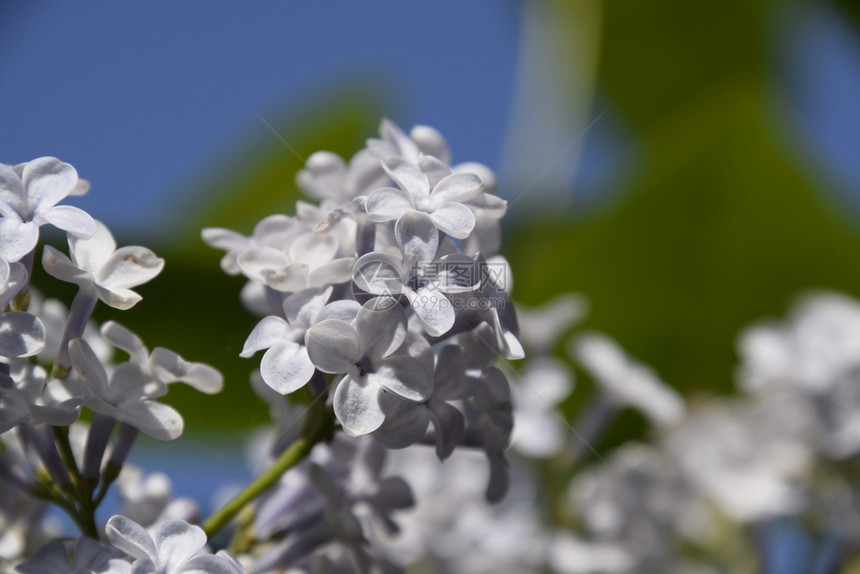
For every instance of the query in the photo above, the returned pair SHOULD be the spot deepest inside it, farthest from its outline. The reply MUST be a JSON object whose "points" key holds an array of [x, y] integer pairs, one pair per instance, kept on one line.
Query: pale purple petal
{"points": [[21, 334], [356, 405], [286, 367], [449, 424], [333, 346], [76, 221], [455, 219], [230, 241], [388, 203], [405, 422], [404, 376]]}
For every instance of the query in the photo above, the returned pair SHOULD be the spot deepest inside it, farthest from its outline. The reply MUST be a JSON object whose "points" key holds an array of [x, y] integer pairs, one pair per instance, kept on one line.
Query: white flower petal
{"points": [[169, 367], [156, 419], [301, 308], [404, 376], [17, 238], [408, 177], [379, 273], [286, 367], [293, 277], [457, 187], [356, 405], [118, 298], [417, 238], [435, 170], [91, 254], [268, 332], [122, 338], [130, 537], [455, 219], [21, 334], [433, 309], [88, 366], [177, 541], [381, 327], [254, 261], [47, 180], [313, 249], [331, 273], [344, 310], [59, 266], [11, 190], [129, 267], [71, 219], [388, 203], [333, 346], [431, 142]]}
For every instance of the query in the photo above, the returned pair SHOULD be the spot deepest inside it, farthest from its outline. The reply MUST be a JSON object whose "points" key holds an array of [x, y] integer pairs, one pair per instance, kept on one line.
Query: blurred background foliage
{"points": [[713, 221]]}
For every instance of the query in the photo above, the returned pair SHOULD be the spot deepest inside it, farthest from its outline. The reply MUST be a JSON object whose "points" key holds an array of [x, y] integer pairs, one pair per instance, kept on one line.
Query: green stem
{"points": [[319, 426], [61, 436]]}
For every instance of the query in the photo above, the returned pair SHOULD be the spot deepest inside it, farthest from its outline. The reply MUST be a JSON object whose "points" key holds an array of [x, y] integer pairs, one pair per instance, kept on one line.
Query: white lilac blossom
{"points": [[365, 351], [286, 366], [443, 201], [96, 264], [175, 547], [29, 194], [626, 382], [815, 354], [337, 499]]}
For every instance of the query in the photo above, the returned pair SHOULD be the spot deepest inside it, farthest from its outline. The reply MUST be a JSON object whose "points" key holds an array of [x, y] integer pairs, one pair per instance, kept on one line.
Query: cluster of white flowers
{"points": [[58, 370], [385, 313], [392, 287]]}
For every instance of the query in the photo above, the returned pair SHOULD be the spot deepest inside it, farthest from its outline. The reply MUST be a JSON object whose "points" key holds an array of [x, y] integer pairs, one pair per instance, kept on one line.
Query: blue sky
{"points": [[141, 98]]}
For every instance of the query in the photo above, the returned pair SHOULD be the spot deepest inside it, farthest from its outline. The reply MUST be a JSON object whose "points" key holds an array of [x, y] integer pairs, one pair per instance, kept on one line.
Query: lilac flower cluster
{"points": [[58, 370], [370, 288]]}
